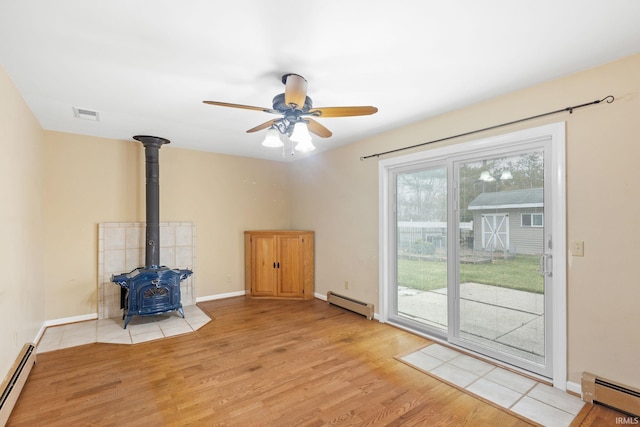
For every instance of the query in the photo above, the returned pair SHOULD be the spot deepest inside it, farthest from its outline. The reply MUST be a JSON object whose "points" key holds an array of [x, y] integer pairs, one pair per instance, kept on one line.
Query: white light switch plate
{"points": [[577, 248]]}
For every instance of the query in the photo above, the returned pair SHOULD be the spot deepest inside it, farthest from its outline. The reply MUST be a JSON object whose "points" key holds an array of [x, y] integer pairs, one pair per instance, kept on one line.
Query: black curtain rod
{"points": [[609, 100]]}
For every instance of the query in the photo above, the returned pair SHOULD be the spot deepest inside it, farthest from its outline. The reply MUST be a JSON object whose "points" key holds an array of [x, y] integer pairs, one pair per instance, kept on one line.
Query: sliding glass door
{"points": [[499, 296], [421, 257], [470, 255]]}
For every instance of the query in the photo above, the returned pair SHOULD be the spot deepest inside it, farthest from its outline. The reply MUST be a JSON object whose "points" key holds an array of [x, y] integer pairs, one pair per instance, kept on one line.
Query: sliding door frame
{"points": [[387, 252]]}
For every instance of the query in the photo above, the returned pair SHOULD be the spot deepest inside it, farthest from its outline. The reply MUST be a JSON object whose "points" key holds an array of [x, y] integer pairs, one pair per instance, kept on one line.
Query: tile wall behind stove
{"points": [[121, 249]]}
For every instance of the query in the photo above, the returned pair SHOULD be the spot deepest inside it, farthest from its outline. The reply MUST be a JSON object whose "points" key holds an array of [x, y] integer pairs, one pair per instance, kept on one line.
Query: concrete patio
{"points": [[508, 320]]}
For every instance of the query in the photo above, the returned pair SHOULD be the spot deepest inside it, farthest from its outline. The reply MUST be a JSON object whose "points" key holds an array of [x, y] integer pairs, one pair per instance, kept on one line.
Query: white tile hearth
{"points": [[522, 395], [140, 329]]}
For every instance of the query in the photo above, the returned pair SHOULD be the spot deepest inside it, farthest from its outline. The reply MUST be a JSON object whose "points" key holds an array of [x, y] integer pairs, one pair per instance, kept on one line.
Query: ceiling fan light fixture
{"points": [[272, 139], [297, 113], [305, 146], [300, 133]]}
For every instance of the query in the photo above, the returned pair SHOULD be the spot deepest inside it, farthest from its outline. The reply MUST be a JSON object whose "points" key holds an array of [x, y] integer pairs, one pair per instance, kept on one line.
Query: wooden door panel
{"points": [[290, 258], [265, 274]]}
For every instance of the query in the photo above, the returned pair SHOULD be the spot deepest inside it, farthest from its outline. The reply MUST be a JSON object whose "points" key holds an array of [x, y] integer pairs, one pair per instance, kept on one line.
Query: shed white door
{"points": [[495, 232]]}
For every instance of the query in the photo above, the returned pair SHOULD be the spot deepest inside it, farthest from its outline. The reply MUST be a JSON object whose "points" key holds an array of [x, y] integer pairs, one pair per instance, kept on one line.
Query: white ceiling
{"points": [[146, 66]]}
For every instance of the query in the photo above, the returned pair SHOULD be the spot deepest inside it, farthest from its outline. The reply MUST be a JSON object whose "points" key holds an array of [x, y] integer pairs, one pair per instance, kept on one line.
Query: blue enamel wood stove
{"points": [[152, 289]]}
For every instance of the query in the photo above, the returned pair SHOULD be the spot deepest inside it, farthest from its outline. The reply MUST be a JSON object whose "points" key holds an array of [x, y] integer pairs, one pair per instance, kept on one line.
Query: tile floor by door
{"points": [[140, 329], [531, 399]]}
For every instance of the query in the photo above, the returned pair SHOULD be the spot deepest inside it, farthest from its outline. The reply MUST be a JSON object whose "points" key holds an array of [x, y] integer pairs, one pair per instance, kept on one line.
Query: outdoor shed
{"points": [[509, 221]]}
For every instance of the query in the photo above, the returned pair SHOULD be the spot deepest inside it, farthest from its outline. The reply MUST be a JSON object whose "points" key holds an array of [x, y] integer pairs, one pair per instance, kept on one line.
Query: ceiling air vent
{"points": [[82, 113]]}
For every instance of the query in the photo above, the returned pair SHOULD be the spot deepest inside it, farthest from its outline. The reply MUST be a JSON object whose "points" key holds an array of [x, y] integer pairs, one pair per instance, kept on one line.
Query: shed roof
{"points": [[528, 198]]}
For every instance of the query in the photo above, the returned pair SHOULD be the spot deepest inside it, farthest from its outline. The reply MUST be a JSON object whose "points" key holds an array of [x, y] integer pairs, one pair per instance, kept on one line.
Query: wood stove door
{"points": [[153, 299]]}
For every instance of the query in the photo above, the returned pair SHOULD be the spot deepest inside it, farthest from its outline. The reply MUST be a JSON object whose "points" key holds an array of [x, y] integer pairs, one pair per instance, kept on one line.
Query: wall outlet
{"points": [[346, 284], [228, 278]]}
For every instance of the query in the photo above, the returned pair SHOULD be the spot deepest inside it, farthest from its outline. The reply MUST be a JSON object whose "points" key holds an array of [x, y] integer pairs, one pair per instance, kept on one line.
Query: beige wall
{"points": [[91, 180], [21, 252], [88, 181], [336, 194]]}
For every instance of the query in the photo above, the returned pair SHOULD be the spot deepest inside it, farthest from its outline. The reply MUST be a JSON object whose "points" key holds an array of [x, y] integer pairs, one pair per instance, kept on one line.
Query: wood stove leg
{"points": [[127, 320]]}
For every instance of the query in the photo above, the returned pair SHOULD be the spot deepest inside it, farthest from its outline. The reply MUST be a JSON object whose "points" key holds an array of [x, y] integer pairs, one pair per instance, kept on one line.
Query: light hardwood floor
{"points": [[259, 362]]}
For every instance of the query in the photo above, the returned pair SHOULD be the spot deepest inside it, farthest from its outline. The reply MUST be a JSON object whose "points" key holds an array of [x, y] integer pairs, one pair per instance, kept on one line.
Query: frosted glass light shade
{"points": [[272, 139], [300, 133], [301, 136], [305, 146]]}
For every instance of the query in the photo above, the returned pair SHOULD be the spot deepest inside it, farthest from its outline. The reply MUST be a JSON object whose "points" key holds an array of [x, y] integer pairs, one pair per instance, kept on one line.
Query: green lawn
{"points": [[519, 272]]}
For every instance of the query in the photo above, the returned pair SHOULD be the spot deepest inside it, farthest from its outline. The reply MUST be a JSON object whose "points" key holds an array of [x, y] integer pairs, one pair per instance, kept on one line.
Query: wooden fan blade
{"points": [[318, 129], [244, 107], [295, 91], [342, 111], [263, 126]]}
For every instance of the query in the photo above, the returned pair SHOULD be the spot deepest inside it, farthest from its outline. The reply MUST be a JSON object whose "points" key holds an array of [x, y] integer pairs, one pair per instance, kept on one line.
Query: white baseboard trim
{"points": [[574, 388], [220, 296], [73, 319], [323, 297], [39, 334]]}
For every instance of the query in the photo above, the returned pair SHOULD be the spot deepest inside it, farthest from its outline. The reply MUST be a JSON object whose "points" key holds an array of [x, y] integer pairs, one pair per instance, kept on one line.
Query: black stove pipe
{"points": [[152, 146]]}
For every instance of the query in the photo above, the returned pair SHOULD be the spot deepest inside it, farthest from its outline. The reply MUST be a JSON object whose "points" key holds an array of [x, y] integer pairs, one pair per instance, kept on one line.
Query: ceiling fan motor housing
{"points": [[282, 107]]}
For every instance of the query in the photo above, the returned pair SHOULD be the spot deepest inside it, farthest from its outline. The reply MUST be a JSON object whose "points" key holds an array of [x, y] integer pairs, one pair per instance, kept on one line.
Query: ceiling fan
{"points": [[298, 115]]}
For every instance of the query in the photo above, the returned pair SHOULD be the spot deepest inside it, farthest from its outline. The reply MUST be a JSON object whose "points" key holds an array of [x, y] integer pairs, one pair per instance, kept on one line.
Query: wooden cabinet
{"points": [[279, 264]]}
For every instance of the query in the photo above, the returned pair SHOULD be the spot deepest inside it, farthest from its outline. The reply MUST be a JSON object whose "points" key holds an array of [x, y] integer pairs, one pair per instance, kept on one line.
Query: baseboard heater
{"points": [[13, 383], [351, 304], [610, 393]]}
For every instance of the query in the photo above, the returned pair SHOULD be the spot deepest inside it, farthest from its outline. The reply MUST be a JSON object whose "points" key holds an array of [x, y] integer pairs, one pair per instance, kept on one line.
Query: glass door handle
{"points": [[544, 265]]}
